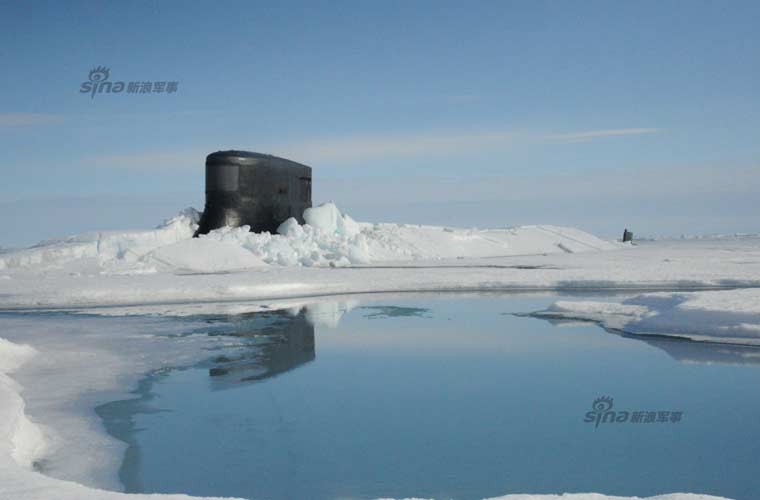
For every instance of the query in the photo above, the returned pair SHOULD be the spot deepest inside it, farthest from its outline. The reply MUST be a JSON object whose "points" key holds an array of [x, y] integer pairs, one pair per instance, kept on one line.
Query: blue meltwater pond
{"points": [[443, 397]]}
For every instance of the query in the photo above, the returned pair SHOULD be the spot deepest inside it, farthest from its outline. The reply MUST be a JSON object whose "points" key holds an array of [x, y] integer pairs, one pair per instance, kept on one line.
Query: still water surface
{"points": [[444, 397]]}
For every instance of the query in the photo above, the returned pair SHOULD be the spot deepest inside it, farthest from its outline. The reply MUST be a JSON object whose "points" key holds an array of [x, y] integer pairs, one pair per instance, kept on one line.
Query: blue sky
{"points": [[593, 114]]}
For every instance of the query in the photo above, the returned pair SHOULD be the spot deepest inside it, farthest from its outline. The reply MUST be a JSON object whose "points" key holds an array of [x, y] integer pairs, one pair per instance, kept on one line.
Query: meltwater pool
{"points": [[442, 397]]}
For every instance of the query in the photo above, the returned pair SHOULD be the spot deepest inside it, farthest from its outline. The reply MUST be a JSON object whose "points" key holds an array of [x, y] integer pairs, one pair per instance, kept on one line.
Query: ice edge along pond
{"points": [[329, 255], [437, 395]]}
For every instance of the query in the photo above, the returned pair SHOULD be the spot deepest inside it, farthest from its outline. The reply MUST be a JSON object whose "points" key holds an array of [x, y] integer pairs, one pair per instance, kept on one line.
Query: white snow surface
{"points": [[73, 367], [221, 270], [730, 316], [328, 238], [335, 255], [166, 271]]}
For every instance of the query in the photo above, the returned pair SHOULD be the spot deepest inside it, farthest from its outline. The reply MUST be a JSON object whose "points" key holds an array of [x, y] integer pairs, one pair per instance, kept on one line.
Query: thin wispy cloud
{"points": [[592, 135], [348, 150], [28, 119], [358, 148], [151, 160], [642, 185]]}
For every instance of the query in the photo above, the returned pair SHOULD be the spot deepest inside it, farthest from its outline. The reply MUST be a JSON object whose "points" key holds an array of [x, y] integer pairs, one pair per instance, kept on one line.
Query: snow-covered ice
{"points": [[337, 255], [75, 365], [166, 271], [328, 238], [731, 316]]}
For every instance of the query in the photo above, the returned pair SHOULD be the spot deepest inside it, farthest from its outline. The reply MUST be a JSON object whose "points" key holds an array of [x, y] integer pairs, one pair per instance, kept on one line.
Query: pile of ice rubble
{"points": [[328, 238]]}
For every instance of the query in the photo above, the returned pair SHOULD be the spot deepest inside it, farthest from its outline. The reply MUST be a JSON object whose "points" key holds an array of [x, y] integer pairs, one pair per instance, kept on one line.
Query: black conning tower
{"points": [[254, 189]]}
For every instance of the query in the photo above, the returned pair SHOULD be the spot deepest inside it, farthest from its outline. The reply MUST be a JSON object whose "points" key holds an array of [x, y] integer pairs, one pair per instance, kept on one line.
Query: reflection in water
{"points": [[681, 349], [378, 312], [283, 340], [274, 342], [398, 406], [688, 351], [280, 341]]}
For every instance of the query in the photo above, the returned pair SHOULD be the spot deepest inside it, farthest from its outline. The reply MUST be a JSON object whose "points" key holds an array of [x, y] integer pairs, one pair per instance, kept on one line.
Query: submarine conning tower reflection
{"points": [[279, 342]]}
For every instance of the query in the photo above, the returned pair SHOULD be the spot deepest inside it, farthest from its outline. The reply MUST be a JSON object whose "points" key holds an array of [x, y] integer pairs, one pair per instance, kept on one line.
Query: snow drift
{"points": [[331, 254], [328, 238]]}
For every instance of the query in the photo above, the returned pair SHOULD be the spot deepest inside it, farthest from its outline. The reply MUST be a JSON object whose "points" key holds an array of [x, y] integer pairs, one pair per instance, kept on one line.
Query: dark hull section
{"points": [[261, 191]]}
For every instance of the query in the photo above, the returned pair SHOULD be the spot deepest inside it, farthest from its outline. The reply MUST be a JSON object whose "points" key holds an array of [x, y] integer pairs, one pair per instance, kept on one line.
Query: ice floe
{"points": [[727, 316]]}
